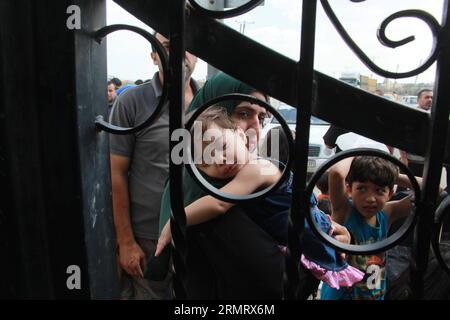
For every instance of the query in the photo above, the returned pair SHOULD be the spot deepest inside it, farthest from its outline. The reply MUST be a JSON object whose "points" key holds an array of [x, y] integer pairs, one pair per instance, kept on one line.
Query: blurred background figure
{"points": [[125, 87], [112, 93], [117, 82]]}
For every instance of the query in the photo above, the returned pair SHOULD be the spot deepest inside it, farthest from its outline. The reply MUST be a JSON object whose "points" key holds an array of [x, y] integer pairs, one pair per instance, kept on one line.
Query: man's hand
{"points": [[132, 259], [164, 239]]}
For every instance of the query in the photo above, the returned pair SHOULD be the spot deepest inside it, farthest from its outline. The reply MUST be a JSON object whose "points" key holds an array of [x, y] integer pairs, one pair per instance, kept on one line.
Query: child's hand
{"points": [[164, 239], [340, 233]]}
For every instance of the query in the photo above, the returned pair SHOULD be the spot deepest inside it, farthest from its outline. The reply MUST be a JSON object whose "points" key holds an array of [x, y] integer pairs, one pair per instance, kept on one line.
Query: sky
{"points": [[277, 23]]}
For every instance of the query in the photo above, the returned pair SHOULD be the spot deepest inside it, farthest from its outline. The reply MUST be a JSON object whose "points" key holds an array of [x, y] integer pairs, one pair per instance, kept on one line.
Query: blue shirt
{"points": [[272, 212], [373, 285]]}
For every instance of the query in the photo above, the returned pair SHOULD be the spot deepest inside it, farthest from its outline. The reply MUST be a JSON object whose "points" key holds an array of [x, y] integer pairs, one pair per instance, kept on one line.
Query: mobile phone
{"points": [[157, 267]]}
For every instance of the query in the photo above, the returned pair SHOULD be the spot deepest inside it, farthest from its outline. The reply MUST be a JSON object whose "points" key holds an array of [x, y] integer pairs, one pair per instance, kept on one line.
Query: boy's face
{"points": [[227, 153], [368, 197]]}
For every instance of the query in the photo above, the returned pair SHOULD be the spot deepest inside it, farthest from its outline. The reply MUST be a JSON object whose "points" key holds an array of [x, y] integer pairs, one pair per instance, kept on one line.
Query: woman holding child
{"points": [[234, 255]]}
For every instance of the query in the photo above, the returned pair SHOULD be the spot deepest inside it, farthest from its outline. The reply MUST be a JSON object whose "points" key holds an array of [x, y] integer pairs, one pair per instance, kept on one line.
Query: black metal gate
{"points": [[56, 211]]}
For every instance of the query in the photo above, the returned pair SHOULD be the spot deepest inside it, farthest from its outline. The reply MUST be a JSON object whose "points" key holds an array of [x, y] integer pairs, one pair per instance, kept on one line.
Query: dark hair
{"points": [[138, 82], [283, 146], [379, 171], [322, 183], [116, 82], [422, 91]]}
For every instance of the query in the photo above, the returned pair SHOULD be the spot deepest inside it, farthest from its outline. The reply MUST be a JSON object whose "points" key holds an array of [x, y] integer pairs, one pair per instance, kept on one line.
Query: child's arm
{"points": [[246, 181], [164, 238], [340, 204], [403, 181], [401, 208], [403, 157], [398, 209]]}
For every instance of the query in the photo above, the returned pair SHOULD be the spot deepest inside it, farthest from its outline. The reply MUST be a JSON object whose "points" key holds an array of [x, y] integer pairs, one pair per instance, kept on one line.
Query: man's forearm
{"points": [[121, 208]]}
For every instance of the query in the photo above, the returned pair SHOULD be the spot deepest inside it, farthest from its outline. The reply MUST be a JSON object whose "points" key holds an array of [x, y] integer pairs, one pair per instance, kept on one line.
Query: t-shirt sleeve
{"points": [[122, 116]]}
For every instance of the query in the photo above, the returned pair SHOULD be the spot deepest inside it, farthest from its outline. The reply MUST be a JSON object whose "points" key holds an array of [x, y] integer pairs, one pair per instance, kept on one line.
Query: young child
{"points": [[369, 181], [230, 162], [322, 261], [271, 213]]}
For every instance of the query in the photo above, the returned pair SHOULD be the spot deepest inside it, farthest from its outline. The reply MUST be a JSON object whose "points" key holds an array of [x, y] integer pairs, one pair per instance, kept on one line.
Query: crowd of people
{"points": [[237, 250], [115, 88]]}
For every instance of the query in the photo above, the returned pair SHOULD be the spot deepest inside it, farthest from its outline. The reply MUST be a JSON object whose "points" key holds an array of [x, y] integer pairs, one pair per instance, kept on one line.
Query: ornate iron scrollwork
{"points": [[193, 171], [442, 213], [372, 248], [434, 26], [227, 13], [108, 127]]}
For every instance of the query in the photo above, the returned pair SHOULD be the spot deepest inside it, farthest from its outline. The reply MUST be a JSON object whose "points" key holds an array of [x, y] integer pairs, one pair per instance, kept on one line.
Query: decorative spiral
{"points": [[227, 197], [441, 214], [434, 26], [100, 123], [371, 248], [227, 13]]}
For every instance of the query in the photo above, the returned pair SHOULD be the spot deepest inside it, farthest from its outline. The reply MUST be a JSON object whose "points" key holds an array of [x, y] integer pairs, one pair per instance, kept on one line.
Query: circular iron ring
{"points": [[441, 212], [210, 189], [372, 248], [227, 13], [108, 127]]}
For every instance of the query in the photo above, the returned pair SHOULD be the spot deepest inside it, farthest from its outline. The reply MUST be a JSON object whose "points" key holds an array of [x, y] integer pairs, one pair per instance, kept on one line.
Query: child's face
{"points": [[228, 151], [368, 197]]}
